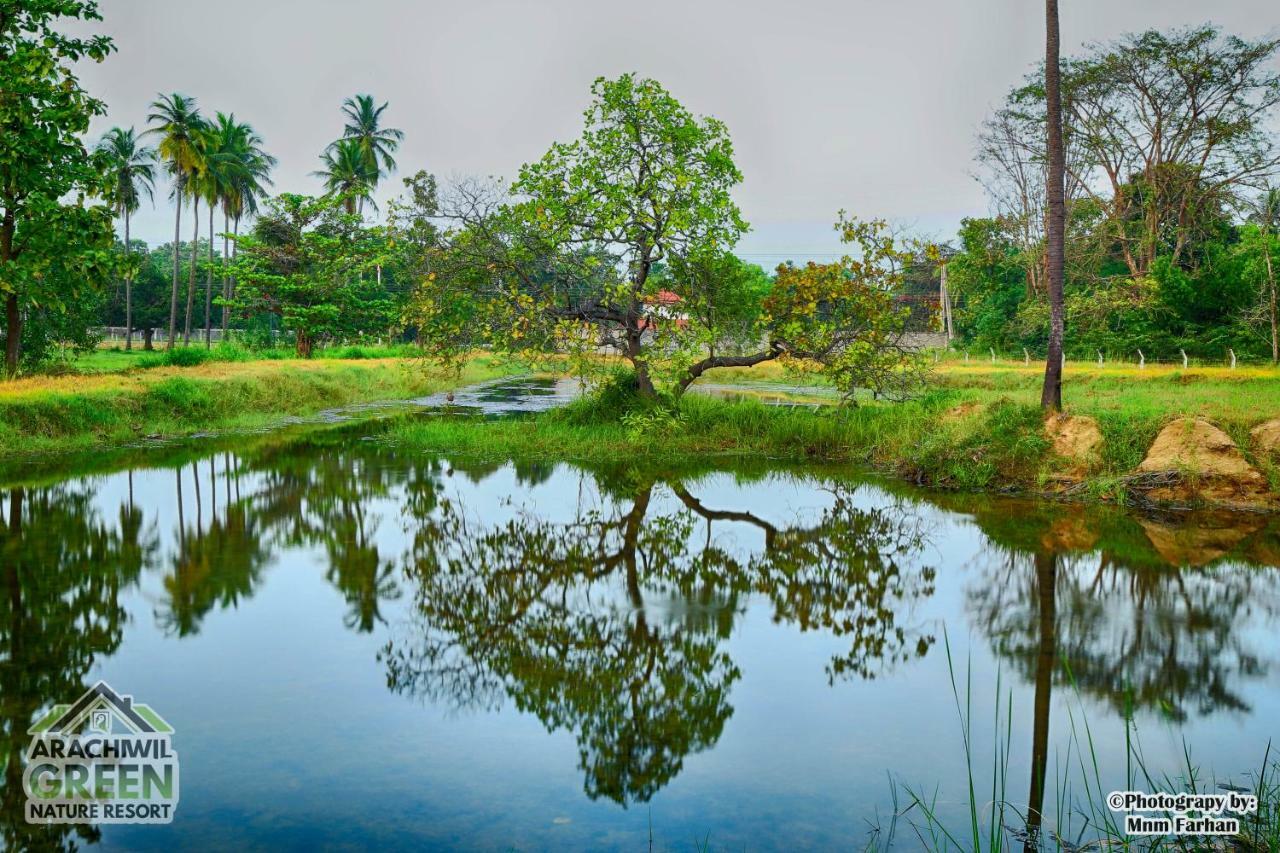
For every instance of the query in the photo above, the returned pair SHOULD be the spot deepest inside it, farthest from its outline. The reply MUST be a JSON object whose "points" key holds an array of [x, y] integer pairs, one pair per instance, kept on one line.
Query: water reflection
{"points": [[63, 568], [1146, 619], [608, 612]]}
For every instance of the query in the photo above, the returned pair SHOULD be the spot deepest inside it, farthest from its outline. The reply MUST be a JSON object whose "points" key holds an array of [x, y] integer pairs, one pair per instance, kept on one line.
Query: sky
{"points": [[865, 105]]}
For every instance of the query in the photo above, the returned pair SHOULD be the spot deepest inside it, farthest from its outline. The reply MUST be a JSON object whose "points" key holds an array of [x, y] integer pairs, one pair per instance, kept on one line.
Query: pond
{"points": [[361, 647]]}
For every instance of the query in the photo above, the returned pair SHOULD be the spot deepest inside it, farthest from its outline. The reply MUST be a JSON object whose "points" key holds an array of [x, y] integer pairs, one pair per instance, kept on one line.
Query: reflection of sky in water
{"points": [[289, 736]]}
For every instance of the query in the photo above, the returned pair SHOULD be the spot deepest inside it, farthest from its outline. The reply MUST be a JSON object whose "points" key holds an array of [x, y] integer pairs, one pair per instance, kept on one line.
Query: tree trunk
{"points": [[226, 293], [235, 251], [177, 263], [12, 316], [1056, 216], [208, 288], [128, 289], [644, 384], [1046, 663], [147, 334], [303, 344], [1271, 286], [191, 276], [13, 335]]}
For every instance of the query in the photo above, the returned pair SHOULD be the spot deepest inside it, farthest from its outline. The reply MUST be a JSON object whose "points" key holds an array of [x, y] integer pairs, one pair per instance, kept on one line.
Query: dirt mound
{"points": [[1201, 462], [1075, 438], [1072, 533], [1266, 437], [1201, 541]]}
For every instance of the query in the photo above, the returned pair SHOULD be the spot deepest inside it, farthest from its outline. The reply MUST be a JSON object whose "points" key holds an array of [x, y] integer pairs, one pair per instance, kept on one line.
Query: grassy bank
{"points": [[76, 412], [978, 429]]}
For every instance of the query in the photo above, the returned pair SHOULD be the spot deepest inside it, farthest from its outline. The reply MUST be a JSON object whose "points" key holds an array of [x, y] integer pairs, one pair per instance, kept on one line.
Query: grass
{"points": [[978, 427], [115, 359], [72, 413]]}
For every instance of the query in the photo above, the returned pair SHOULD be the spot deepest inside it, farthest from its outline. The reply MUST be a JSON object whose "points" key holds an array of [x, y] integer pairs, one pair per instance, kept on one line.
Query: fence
{"points": [[1099, 358], [116, 334]]}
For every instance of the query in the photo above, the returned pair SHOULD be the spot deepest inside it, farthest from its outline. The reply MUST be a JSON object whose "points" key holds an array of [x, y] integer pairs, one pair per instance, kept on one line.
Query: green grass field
{"points": [[976, 425]]}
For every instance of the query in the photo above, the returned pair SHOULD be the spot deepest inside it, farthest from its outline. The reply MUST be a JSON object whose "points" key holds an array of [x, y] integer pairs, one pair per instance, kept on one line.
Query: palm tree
{"points": [[1056, 214], [347, 174], [133, 173], [176, 120], [377, 143], [239, 193]]}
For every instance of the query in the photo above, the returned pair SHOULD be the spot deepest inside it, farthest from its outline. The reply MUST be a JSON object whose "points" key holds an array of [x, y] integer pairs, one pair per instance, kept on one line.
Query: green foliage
{"points": [[1166, 136], [55, 246], [312, 264]]}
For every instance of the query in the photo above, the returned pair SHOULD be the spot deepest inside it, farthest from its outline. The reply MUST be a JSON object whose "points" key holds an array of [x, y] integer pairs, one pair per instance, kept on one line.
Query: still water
{"points": [[362, 647]]}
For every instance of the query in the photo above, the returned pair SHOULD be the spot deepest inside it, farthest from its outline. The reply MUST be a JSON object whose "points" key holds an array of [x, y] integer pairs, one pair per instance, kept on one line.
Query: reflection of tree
{"points": [[559, 619], [63, 571], [1168, 638], [1133, 632], [217, 566]]}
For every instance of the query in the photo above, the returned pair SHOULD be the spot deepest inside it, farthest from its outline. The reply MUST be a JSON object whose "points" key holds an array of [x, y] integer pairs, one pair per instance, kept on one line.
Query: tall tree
{"points": [[347, 174], [240, 193], [176, 120], [376, 143], [308, 262], [1174, 125], [132, 173], [44, 113], [1056, 211], [567, 263]]}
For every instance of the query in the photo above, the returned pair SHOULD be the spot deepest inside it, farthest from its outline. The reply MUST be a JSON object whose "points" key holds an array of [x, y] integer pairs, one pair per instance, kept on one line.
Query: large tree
{"points": [[46, 174], [132, 174], [176, 120], [309, 262], [1055, 212], [568, 260], [375, 143]]}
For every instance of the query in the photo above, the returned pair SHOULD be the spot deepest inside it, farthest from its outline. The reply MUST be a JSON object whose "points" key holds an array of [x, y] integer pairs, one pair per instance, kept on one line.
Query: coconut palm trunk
{"points": [[208, 287], [177, 264], [235, 251], [128, 288], [1056, 216], [191, 276], [226, 282]]}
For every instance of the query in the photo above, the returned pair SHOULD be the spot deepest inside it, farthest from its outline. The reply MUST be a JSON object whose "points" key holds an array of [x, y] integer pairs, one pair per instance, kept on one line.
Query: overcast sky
{"points": [[867, 105]]}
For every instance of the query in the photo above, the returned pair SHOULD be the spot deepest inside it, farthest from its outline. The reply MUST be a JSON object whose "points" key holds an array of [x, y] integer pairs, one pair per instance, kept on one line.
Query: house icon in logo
{"points": [[95, 710]]}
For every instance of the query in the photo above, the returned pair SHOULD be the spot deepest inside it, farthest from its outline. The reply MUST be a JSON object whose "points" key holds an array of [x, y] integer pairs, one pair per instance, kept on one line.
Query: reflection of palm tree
{"points": [[217, 567]]}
